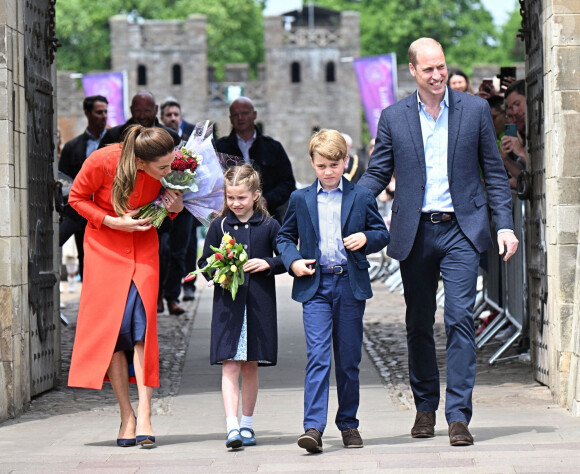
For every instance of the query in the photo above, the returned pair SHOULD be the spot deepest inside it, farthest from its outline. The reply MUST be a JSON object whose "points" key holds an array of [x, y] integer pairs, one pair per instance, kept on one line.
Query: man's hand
{"points": [[355, 241], [512, 144], [303, 267], [507, 241]]}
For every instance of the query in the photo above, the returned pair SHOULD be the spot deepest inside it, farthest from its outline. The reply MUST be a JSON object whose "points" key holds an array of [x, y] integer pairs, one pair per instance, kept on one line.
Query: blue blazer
{"points": [[471, 147], [359, 213]]}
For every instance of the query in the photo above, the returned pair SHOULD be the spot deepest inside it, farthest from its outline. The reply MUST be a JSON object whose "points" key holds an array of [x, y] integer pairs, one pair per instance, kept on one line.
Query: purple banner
{"points": [[377, 85], [112, 86]]}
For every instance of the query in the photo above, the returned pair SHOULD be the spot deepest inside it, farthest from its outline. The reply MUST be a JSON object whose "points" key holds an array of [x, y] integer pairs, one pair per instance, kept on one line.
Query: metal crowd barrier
{"points": [[505, 288]]}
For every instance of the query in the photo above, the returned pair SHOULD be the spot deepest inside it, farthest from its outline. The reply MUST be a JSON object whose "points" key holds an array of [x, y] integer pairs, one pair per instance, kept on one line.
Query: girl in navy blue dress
{"points": [[244, 333]]}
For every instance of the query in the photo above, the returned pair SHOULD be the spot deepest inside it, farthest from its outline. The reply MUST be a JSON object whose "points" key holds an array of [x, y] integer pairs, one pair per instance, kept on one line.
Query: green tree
{"points": [[511, 48], [235, 29], [463, 27]]}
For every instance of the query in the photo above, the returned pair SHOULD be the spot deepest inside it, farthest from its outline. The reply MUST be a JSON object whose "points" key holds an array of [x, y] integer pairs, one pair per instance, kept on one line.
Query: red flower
{"points": [[231, 255], [219, 256], [232, 241]]}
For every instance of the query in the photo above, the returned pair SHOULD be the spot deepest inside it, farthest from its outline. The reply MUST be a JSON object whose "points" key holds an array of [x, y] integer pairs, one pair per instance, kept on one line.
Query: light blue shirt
{"points": [[435, 134], [92, 142], [332, 250]]}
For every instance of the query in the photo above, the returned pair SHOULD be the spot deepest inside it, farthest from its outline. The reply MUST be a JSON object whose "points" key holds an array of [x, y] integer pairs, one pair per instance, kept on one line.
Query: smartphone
{"points": [[487, 84], [507, 72], [511, 130]]}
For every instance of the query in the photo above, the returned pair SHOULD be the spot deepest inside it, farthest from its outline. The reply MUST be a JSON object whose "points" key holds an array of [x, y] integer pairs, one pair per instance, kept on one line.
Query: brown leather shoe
{"points": [[160, 307], [424, 426], [459, 434], [311, 441], [174, 308]]}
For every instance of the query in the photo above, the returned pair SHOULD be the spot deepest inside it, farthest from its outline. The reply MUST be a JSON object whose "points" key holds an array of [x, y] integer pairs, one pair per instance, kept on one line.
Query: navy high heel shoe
{"points": [[146, 441], [126, 442]]}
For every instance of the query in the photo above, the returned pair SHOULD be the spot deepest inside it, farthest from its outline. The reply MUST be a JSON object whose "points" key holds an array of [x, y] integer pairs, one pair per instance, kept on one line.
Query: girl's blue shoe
{"points": [[248, 437], [234, 439]]}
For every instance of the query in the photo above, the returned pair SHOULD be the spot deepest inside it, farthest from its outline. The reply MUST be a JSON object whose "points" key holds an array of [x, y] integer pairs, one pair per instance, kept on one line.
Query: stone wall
{"points": [[160, 45], [14, 321], [295, 109], [561, 34]]}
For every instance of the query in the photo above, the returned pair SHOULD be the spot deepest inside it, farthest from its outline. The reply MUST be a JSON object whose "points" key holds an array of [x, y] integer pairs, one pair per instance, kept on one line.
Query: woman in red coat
{"points": [[117, 320]]}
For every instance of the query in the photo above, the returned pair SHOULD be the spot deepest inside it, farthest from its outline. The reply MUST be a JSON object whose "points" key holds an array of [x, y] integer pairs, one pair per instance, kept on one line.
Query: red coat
{"points": [[113, 259]]}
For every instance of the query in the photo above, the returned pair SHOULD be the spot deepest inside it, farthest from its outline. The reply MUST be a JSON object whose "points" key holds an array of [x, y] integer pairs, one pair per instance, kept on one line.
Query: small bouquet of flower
{"points": [[225, 265], [182, 177]]}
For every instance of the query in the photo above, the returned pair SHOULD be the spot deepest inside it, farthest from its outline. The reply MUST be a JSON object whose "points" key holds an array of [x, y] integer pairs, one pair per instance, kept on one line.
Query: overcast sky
{"points": [[496, 7]]}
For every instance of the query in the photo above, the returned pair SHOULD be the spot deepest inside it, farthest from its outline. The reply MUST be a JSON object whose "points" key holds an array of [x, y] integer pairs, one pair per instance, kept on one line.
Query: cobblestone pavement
{"points": [[173, 334], [385, 342]]}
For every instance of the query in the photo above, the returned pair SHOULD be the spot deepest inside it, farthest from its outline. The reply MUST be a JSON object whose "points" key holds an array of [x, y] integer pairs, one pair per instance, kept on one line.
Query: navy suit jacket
{"points": [[359, 213], [471, 147]]}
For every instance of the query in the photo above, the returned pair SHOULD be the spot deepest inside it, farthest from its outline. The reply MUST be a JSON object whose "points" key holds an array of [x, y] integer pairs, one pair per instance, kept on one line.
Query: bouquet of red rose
{"points": [[225, 265], [182, 177]]}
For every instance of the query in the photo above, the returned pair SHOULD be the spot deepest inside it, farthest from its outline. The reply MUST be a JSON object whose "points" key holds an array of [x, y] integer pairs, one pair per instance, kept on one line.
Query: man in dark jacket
{"points": [[72, 157], [264, 153], [143, 112]]}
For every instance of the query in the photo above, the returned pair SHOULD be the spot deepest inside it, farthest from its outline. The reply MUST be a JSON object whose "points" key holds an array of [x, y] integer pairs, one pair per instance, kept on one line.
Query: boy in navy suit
{"points": [[337, 224]]}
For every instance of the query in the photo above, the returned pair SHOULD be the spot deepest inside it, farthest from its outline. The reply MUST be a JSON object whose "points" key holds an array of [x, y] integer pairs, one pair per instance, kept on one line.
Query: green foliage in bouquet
{"points": [[225, 265]]}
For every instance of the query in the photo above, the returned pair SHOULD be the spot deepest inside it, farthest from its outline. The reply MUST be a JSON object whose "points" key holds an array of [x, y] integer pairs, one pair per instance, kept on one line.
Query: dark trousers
{"points": [[332, 320], [73, 225], [173, 249], [441, 248]]}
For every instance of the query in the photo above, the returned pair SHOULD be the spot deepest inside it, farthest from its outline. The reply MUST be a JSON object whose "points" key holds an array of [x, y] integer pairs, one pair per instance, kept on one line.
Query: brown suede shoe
{"points": [[424, 426], [311, 441], [459, 434], [351, 438]]}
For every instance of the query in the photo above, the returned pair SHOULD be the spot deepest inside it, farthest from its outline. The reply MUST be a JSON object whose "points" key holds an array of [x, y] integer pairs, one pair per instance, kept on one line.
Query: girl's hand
{"points": [[256, 265], [173, 200], [355, 241], [126, 222]]}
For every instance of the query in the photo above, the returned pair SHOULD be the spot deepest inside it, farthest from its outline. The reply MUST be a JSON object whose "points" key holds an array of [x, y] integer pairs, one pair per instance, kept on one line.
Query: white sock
{"points": [[232, 423], [247, 422]]}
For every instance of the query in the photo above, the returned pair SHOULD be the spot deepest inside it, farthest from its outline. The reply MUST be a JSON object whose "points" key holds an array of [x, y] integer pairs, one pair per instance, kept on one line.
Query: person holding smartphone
{"points": [[512, 148]]}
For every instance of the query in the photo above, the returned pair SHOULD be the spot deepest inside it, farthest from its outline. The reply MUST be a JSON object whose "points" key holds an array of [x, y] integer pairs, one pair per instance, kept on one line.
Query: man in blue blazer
{"points": [[328, 230], [441, 145]]}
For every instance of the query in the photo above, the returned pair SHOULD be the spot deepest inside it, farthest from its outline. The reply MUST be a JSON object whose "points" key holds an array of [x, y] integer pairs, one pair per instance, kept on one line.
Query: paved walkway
{"points": [[516, 426]]}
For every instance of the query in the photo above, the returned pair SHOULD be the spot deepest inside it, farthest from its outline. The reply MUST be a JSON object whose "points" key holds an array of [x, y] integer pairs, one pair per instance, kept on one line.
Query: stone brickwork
{"points": [[287, 111], [14, 322], [561, 34]]}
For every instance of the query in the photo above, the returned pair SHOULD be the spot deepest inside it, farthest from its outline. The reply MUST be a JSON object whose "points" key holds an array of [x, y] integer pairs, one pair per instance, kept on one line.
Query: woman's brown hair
{"points": [[147, 143]]}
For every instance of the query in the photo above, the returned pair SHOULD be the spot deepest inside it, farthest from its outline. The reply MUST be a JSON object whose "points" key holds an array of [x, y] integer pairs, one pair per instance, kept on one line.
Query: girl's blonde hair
{"points": [[329, 144], [147, 143], [243, 175]]}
